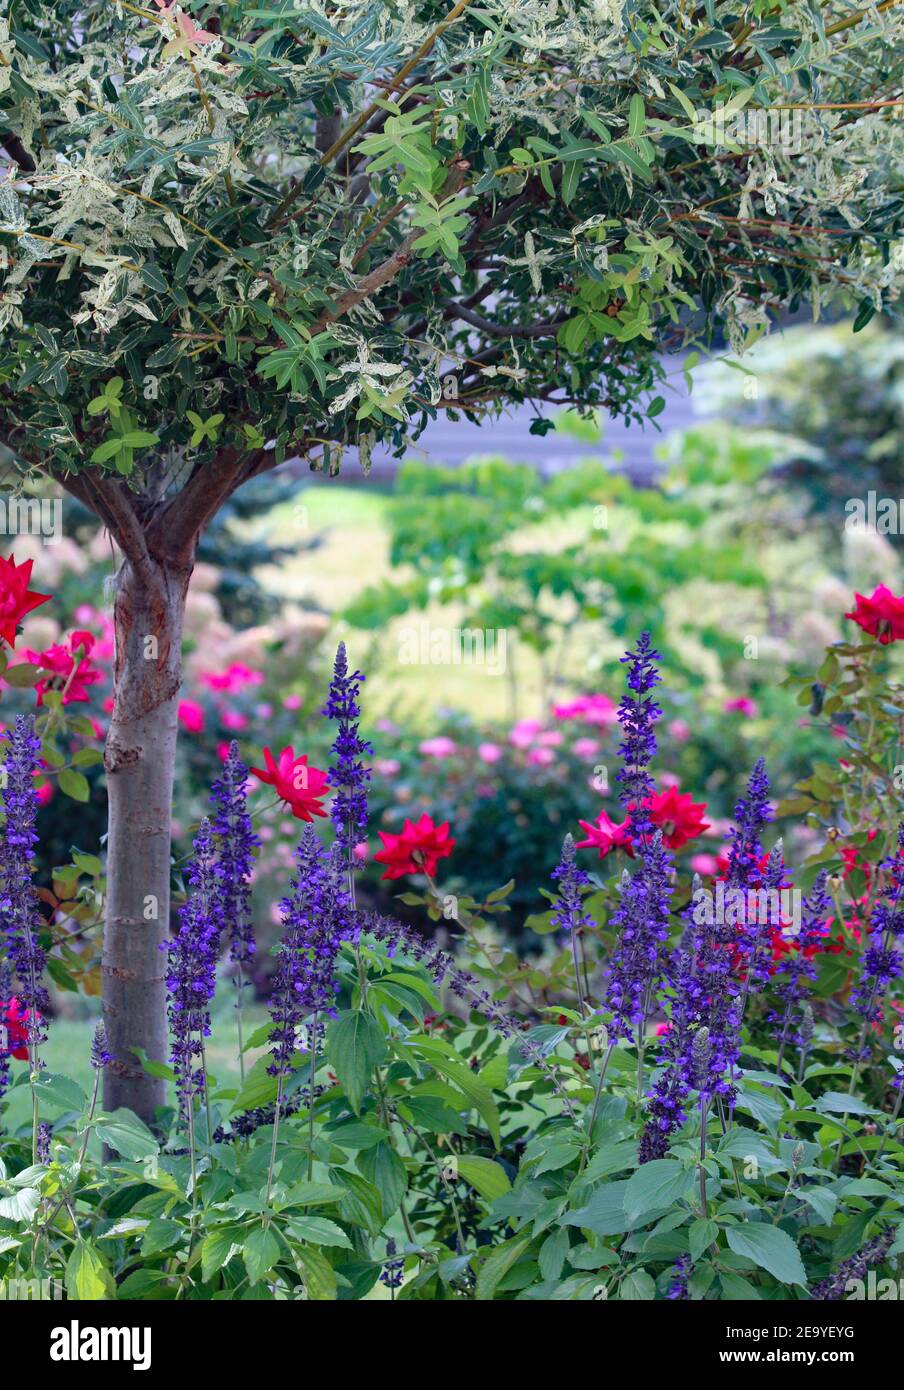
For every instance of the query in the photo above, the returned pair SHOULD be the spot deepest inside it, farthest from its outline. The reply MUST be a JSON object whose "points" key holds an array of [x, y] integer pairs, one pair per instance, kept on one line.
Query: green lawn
{"points": [[68, 1051], [354, 524]]}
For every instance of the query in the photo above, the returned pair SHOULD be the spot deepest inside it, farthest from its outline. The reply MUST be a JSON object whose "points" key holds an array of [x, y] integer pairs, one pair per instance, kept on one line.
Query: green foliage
{"points": [[552, 560], [216, 243], [838, 402]]}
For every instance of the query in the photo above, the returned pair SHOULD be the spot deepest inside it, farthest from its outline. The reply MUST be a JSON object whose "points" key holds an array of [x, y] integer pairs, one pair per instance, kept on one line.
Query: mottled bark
{"points": [[140, 759]]}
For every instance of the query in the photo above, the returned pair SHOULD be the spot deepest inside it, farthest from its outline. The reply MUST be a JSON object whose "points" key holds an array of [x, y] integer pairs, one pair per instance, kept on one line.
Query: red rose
{"points": [[14, 1029], [15, 599], [59, 662], [605, 835], [881, 615], [417, 850], [679, 817], [302, 788]]}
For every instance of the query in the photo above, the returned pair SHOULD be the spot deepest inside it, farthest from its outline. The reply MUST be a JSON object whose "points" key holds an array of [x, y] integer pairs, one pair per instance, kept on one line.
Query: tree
{"points": [[234, 233]]}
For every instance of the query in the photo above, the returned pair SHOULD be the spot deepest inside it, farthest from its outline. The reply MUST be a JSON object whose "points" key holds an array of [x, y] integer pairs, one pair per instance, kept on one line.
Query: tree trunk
{"points": [[140, 761]]}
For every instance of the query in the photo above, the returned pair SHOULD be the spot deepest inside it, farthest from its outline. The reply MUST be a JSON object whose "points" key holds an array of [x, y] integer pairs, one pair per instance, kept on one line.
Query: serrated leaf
{"points": [[355, 1045], [87, 1275], [771, 1248], [319, 1230], [486, 1176], [260, 1251], [659, 1183], [498, 1263]]}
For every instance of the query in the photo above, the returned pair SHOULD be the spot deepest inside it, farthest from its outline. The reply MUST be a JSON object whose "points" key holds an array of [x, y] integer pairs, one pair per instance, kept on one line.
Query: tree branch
{"points": [[501, 330], [17, 151], [112, 504], [387, 270], [174, 529]]}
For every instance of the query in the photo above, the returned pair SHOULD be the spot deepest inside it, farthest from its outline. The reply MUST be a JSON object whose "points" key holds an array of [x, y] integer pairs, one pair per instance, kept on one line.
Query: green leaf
{"points": [[659, 1183], [701, 1236], [138, 439], [473, 1088], [22, 675], [128, 1135], [836, 1102], [382, 1166], [21, 1205], [217, 1248], [636, 115], [552, 1254], [161, 1235], [318, 1230], [821, 1200], [259, 1088], [260, 1251], [496, 1265], [87, 1275], [318, 1274], [105, 451], [771, 1248], [62, 1091], [355, 1045], [486, 1176], [313, 1194], [637, 1285], [74, 784]]}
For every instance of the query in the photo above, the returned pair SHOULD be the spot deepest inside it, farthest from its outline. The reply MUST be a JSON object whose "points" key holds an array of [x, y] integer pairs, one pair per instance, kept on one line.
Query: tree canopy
{"points": [[234, 233]]}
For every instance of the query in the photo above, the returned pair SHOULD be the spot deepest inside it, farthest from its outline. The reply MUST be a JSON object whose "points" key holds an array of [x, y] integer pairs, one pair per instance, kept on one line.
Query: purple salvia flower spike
{"points": [[349, 774], [20, 919], [236, 843], [569, 916], [317, 917], [191, 969]]}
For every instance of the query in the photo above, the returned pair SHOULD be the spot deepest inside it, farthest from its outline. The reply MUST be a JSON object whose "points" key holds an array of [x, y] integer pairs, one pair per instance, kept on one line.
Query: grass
{"points": [[68, 1052], [354, 527]]}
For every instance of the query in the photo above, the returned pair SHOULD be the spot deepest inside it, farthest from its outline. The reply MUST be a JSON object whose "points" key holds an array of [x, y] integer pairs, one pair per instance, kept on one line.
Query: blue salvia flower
{"points": [[6, 994], [192, 967], [236, 842], [716, 993], [568, 915], [43, 1138], [101, 1056], [763, 918], [393, 1267], [883, 961], [796, 972], [349, 774], [838, 1284], [668, 1097], [641, 952], [681, 1273], [752, 814], [20, 920], [638, 713], [642, 918], [316, 918]]}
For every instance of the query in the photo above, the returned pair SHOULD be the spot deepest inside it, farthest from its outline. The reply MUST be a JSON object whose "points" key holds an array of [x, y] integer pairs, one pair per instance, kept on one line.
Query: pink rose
{"points": [[439, 747], [191, 716]]}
